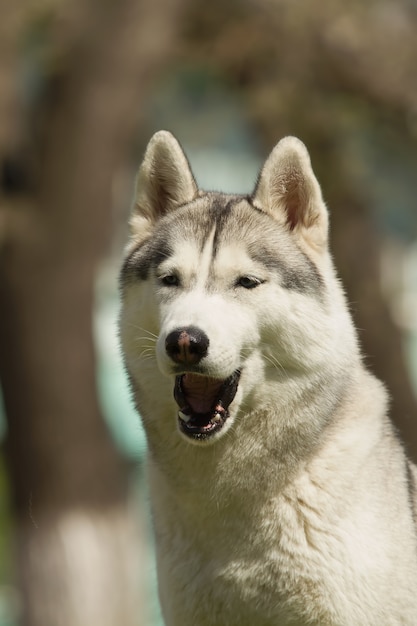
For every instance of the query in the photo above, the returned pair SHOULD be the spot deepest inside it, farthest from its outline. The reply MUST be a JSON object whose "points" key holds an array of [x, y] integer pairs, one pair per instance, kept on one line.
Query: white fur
{"points": [[297, 511]]}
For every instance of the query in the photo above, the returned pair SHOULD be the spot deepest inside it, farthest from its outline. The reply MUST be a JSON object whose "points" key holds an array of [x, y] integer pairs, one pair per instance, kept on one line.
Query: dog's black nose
{"points": [[187, 345]]}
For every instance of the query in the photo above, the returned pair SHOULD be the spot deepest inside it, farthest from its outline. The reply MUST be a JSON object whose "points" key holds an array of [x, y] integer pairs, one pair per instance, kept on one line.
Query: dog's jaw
{"points": [[204, 404]]}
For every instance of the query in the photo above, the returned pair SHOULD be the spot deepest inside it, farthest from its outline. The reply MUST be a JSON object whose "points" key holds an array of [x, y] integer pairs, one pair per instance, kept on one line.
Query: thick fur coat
{"points": [[280, 493]]}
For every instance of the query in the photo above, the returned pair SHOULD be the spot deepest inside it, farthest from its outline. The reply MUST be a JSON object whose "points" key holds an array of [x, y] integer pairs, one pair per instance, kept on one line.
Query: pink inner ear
{"points": [[293, 208], [294, 202], [298, 205]]}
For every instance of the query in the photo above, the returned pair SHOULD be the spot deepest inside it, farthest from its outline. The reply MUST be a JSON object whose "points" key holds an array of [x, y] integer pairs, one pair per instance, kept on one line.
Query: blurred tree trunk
{"points": [[78, 547]]}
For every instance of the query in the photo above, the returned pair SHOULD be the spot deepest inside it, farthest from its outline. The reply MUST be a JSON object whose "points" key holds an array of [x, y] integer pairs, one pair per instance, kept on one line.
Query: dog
{"points": [[279, 490]]}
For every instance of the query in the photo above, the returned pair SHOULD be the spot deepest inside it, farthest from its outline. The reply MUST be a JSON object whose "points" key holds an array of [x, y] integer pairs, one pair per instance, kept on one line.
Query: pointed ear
{"points": [[288, 189], [164, 182]]}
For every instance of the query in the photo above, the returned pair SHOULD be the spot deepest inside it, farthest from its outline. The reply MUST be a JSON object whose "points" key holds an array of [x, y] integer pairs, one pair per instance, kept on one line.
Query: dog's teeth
{"points": [[217, 417], [184, 417]]}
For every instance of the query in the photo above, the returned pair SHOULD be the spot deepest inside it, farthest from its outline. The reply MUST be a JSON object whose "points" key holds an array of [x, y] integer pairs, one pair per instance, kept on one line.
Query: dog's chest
{"points": [[246, 571]]}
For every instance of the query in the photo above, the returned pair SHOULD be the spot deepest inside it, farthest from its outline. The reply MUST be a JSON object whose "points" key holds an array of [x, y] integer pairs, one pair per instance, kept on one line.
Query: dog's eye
{"points": [[170, 280], [248, 282]]}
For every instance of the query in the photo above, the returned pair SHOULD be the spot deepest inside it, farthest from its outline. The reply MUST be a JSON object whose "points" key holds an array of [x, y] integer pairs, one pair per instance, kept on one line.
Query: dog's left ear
{"points": [[288, 189]]}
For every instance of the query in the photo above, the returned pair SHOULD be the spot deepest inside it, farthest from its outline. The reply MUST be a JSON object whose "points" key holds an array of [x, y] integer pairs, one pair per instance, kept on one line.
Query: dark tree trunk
{"points": [[79, 553]]}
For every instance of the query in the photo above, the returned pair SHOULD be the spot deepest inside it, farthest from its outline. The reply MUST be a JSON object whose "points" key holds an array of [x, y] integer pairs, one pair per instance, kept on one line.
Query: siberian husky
{"points": [[280, 492]]}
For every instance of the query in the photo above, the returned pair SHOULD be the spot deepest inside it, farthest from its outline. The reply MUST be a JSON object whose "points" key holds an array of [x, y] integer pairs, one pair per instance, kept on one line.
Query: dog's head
{"points": [[225, 295]]}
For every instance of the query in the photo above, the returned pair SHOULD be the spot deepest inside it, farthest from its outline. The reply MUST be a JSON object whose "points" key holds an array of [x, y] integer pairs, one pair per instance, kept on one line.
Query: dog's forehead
{"points": [[228, 227], [232, 219]]}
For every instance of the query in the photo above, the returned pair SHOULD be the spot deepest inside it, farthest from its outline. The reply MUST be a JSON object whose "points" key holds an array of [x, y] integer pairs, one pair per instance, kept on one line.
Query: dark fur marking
{"points": [[128, 264], [302, 277], [220, 211], [149, 253], [412, 491]]}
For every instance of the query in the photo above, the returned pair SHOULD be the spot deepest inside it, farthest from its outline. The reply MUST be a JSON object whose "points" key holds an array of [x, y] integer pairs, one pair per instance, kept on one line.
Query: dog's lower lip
{"points": [[199, 425]]}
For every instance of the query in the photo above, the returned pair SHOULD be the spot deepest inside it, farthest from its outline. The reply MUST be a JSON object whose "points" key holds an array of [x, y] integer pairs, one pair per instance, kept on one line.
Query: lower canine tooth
{"points": [[183, 416], [217, 417]]}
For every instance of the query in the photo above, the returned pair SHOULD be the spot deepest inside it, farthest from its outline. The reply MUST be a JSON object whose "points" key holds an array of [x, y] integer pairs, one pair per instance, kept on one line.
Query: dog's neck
{"points": [[259, 455]]}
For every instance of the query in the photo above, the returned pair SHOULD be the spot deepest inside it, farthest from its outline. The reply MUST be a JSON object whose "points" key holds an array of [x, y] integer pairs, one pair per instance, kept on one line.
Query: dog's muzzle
{"points": [[203, 401]]}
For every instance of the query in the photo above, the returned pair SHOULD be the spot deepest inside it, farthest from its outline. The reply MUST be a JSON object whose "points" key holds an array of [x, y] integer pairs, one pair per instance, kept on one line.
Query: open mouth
{"points": [[204, 403]]}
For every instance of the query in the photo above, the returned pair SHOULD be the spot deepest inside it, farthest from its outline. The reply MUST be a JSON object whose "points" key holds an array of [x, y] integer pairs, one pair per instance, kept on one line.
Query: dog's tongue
{"points": [[201, 392]]}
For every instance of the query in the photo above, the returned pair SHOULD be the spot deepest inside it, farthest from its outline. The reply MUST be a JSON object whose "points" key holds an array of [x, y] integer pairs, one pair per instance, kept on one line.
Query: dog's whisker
{"points": [[145, 342], [147, 353], [276, 364], [145, 330]]}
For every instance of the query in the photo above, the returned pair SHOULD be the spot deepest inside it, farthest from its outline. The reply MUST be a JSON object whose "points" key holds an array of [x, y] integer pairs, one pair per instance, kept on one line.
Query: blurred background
{"points": [[83, 85]]}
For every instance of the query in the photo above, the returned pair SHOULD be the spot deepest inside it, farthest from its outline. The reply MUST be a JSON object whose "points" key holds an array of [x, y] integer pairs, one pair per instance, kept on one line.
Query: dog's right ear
{"points": [[288, 190], [164, 182]]}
